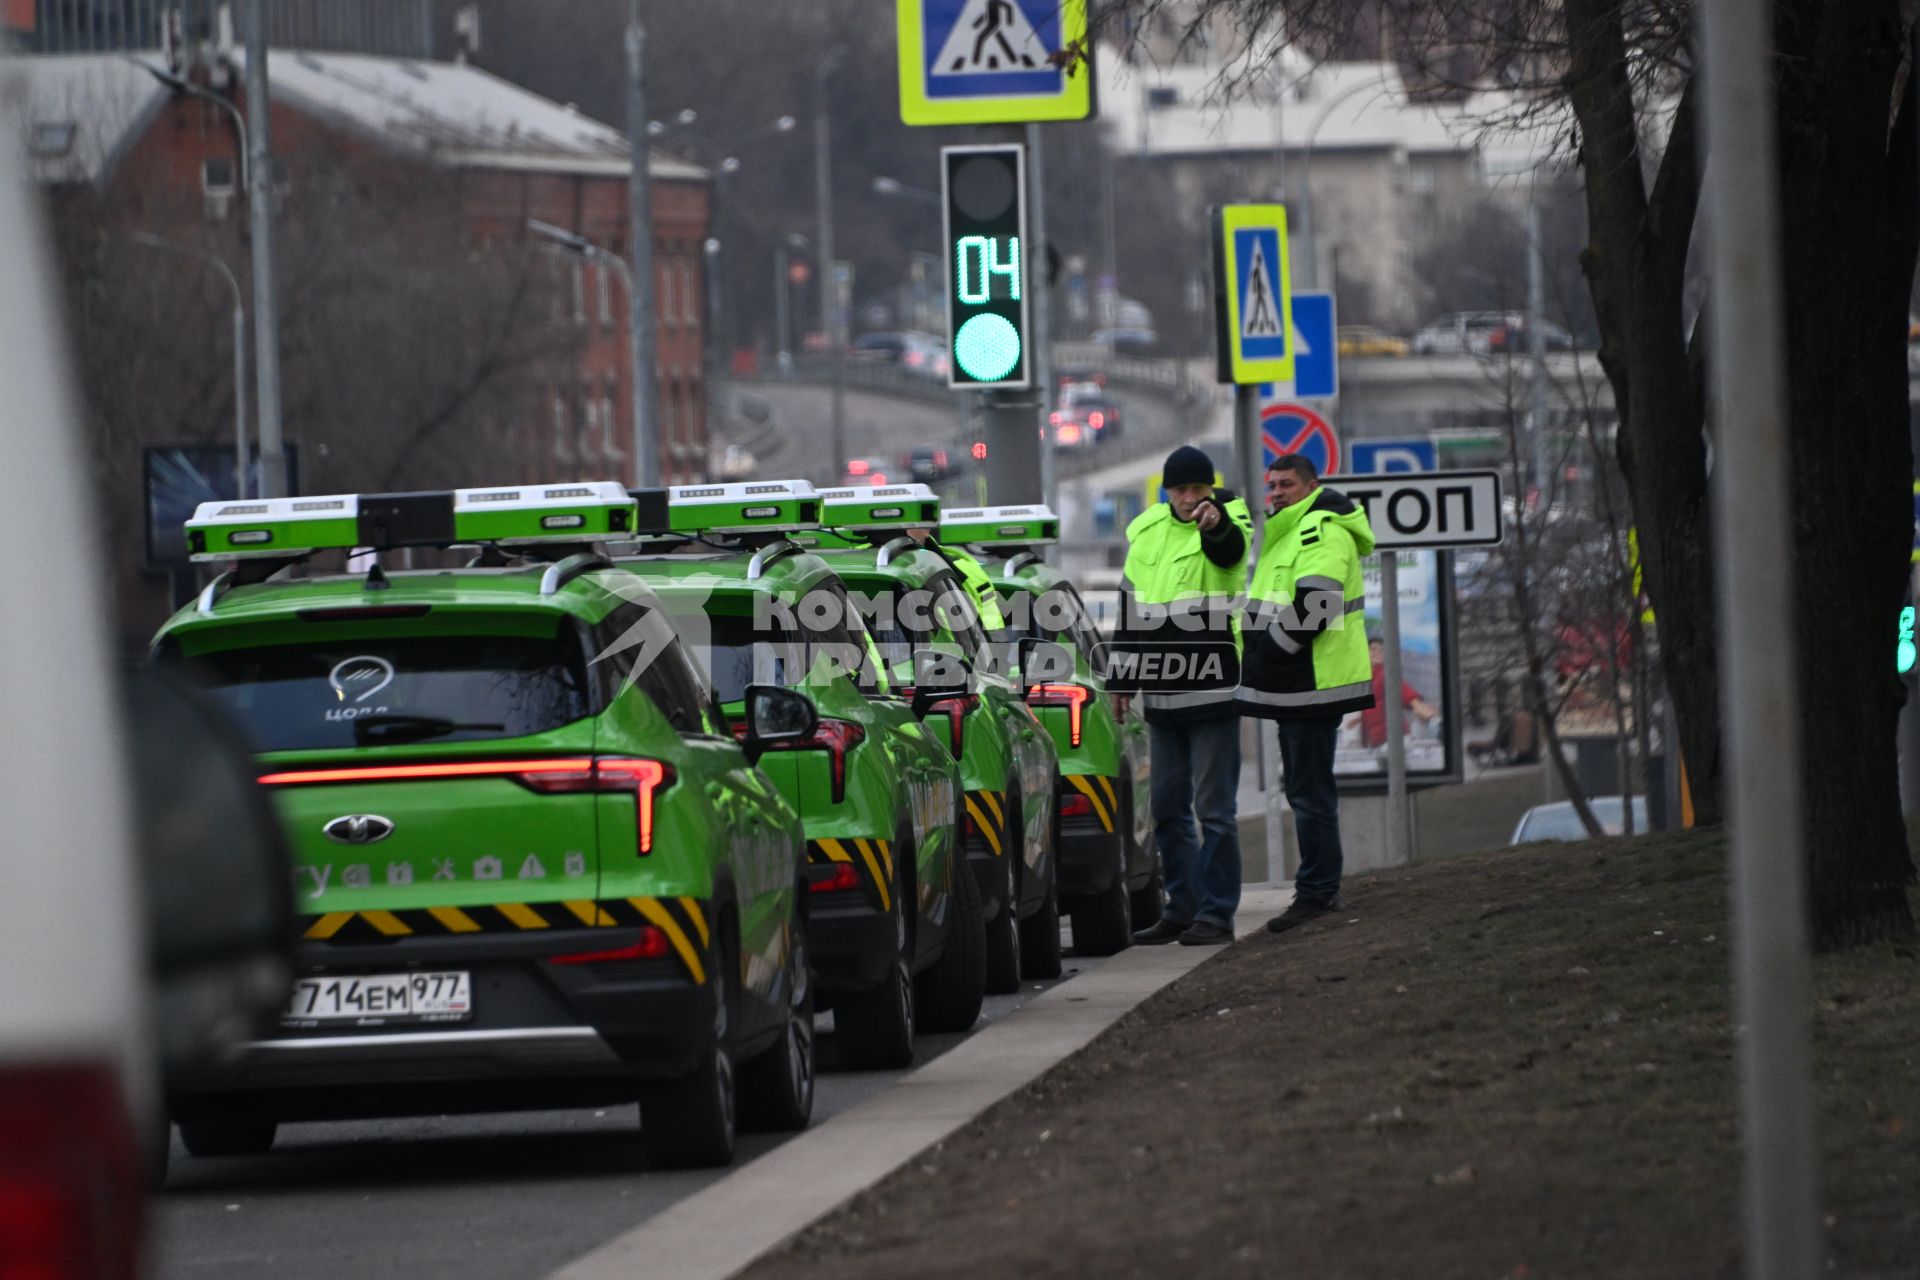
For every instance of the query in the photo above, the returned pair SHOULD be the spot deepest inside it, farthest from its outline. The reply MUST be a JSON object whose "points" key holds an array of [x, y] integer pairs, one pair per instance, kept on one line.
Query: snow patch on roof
{"points": [[106, 101]]}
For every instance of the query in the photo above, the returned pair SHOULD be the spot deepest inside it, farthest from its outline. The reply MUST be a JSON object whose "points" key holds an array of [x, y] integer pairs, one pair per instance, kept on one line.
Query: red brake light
{"points": [[1056, 417], [570, 775], [841, 878], [72, 1182], [858, 467], [1071, 696], [652, 945], [956, 710], [940, 457], [1096, 419], [1075, 806], [837, 737]]}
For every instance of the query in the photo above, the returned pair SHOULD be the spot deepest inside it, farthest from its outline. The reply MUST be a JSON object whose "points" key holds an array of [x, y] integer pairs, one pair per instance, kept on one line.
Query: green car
{"points": [[918, 609], [532, 868], [898, 939], [1110, 880]]}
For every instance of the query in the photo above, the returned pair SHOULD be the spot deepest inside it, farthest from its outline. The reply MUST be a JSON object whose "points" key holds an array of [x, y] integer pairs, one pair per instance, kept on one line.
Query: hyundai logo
{"points": [[358, 828]]}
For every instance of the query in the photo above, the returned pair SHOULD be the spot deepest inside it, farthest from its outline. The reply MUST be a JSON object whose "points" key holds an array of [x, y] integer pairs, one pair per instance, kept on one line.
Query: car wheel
{"points": [[1103, 922], [875, 1028], [1040, 932], [951, 991], [1003, 951], [689, 1123], [209, 1133], [776, 1088]]}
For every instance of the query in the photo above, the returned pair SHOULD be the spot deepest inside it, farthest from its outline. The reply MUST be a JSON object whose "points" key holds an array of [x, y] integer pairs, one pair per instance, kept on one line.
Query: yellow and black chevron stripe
{"points": [[988, 810], [876, 856], [683, 920], [1099, 789]]}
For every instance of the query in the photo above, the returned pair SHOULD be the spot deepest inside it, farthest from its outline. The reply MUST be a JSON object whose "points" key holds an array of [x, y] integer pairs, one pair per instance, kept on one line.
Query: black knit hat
{"points": [[1186, 465]]}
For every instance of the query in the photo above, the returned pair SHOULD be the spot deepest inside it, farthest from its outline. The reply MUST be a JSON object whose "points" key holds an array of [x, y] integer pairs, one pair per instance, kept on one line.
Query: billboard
{"points": [[1427, 675], [179, 477]]}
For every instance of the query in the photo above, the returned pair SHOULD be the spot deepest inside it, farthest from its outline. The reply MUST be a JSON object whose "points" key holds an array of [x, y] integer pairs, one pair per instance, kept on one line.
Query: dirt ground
{"points": [[1515, 1064]]}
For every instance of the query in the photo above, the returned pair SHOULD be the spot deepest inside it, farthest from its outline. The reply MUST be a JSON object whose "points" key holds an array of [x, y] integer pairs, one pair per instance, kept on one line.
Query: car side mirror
{"points": [[938, 675], [776, 714], [218, 882], [1044, 662]]}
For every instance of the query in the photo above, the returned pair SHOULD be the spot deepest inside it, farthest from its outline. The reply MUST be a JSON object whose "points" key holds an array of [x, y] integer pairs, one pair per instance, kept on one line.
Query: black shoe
{"points": [[1302, 910], [1205, 933], [1162, 931]]}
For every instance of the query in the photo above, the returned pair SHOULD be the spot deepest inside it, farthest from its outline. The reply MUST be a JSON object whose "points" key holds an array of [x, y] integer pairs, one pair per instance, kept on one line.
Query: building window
{"points": [[562, 428], [609, 445], [603, 286], [688, 295], [669, 314], [216, 182], [1421, 179], [1161, 97], [579, 293]]}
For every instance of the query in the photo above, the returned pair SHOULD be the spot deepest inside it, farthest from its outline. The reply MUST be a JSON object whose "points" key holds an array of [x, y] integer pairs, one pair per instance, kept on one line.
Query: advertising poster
{"points": [[1426, 679]]}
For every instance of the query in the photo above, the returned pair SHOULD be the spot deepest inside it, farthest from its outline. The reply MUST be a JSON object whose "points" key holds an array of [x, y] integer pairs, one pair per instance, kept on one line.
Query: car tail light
{"points": [[956, 710], [1071, 696], [1056, 418], [72, 1181], [837, 737], [1075, 806], [1096, 419], [839, 879], [564, 776], [858, 467], [651, 946], [1069, 434], [940, 457]]}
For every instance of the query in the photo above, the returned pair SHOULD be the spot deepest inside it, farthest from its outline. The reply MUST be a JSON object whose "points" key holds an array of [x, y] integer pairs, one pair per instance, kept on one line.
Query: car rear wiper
{"points": [[389, 728]]}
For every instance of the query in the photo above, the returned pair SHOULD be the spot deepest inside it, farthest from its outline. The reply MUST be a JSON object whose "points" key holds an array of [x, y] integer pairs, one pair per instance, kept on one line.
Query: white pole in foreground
{"points": [[1759, 692], [266, 307]]}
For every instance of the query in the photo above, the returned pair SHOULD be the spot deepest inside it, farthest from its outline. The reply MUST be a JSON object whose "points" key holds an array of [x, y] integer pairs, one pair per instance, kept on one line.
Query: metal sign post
{"points": [[1247, 457], [1399, 828]]}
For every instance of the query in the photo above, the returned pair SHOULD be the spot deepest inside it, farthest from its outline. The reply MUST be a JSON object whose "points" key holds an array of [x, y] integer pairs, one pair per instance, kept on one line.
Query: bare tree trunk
{"points": [[1636, 266], [1848, 187]]}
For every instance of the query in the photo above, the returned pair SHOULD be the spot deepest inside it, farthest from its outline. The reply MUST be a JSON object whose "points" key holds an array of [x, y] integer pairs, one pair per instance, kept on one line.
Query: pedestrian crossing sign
{"points": [[994, 61], [1253, 293]]}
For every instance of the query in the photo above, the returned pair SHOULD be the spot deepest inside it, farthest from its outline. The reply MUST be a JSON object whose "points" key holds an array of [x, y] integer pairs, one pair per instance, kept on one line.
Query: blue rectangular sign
{"points": [[1316, 353], [1391, 457]]}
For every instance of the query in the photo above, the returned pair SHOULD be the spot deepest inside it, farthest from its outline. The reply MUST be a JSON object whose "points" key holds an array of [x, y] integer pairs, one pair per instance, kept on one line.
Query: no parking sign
{"points": [[1294, 428]]}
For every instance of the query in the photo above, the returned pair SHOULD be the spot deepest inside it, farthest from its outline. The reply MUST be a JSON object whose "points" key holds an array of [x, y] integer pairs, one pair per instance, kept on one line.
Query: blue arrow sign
{"points": [[1316, 353]]}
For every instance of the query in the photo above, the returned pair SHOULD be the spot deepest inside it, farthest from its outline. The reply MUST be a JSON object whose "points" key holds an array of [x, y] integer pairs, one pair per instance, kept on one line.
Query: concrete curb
{"points": [[718, 1232]]}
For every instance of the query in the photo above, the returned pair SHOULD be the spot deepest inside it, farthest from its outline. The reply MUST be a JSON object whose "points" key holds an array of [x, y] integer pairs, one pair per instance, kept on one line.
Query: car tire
{"points": [[690, 1123], [954, 986], [1003, 951], [1103, 922], [875, 1028], [776, 1088], [226, 1133], [1040, 932]]}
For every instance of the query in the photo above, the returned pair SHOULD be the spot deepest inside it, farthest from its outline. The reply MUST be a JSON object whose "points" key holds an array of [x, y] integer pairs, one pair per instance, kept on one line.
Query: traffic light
{"points": [[984, 192]]}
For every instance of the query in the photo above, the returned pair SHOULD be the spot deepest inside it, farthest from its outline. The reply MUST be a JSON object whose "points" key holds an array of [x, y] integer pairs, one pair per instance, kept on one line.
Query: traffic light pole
{"points": [[1013, 418], [1040, 290]]}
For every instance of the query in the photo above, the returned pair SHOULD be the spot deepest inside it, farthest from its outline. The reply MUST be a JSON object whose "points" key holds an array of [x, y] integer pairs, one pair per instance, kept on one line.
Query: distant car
{"points": [[1365, 340], [1099, 414], [879, 348], [1071, 428], [1558, 821], [926, 464], [1480, 333]]}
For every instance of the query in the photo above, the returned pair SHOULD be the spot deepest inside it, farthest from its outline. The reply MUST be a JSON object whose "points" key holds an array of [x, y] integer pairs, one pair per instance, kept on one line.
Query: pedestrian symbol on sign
{"points": [[991, 36], [1259, 316]]}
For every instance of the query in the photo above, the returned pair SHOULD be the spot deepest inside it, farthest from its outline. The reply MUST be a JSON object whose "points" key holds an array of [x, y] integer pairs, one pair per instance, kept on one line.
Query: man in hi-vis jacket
{"points": [[1306, 663], [1178, 642]]}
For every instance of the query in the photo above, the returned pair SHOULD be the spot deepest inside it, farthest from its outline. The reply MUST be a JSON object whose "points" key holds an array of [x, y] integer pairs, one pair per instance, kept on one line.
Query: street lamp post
{"points": [[782, 293], [823, 195], [239, 346], [1312, 272], [266, 308], [640, 313]]}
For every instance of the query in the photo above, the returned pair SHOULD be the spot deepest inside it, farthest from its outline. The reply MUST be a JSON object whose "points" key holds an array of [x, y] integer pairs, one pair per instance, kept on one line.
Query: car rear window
{"points": [[424, 689]]}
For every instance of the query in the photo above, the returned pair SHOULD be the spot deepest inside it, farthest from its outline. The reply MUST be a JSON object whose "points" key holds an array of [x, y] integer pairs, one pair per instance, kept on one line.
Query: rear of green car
{"points": [[533, 865]]}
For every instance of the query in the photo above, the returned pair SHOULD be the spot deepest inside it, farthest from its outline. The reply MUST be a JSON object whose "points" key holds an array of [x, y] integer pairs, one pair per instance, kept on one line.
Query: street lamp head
{"points": [[655, 128], [711, 246], [886, 186], [730, 165], [784, 124], [686, 116]]}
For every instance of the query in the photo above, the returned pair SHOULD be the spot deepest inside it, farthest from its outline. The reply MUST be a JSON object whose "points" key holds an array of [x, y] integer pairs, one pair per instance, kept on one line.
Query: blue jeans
{"points": [[1196, 774], [1306, 763]]}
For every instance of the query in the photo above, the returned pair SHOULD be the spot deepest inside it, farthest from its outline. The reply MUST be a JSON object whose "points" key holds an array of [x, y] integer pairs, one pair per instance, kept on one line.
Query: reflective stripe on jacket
{"points": [[1190, 585], [1306, 637]]}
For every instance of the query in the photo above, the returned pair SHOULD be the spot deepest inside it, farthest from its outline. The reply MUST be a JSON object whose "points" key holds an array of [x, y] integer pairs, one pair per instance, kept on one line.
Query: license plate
{"points": [[380, 999]]}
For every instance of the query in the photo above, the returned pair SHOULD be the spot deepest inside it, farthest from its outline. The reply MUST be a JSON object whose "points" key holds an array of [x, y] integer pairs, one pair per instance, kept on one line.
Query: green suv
{"points": [[533, 868], [1110, 881], [917, 608], [898, 939]]}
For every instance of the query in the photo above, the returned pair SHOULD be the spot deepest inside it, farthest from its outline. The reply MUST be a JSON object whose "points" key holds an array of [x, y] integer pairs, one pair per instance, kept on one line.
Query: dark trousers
{"points": [[1306, 763], [1196, 774]]}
